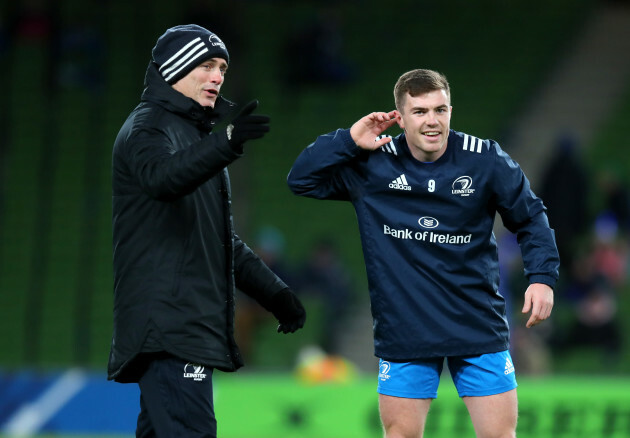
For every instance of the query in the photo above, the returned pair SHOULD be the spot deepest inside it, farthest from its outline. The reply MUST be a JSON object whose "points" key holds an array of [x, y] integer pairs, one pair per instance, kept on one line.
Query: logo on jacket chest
{"points": [[462, 186], [400, 183]]}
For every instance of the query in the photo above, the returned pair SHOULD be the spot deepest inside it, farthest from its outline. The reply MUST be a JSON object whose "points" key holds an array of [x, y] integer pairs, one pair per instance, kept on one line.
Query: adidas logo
{"points": [[509, 366], [400, 183]]}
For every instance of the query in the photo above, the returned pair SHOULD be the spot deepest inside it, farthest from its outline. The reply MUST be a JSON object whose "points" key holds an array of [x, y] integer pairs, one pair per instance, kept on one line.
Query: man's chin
{"points": [[207, 102]]}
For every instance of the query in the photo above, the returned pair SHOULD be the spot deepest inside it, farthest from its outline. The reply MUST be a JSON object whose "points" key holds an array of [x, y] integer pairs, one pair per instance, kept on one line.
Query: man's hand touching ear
{"points": [[365, 131]]}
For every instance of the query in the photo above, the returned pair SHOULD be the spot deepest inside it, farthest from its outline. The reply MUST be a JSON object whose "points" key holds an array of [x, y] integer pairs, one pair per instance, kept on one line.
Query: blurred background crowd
{"points": [[549, 80]]}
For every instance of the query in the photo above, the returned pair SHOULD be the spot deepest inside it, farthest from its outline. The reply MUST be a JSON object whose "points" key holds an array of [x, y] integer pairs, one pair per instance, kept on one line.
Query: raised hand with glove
{"points": [[247, 126], [288, 310]]}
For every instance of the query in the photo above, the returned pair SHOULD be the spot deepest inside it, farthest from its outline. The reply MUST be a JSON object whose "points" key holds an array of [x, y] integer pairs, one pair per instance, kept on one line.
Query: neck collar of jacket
{"points": [[158, 91]]}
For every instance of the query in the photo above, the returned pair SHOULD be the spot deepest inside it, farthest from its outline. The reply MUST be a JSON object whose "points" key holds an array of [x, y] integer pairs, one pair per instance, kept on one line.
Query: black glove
{"points": [[247, 126], [288, 310]]}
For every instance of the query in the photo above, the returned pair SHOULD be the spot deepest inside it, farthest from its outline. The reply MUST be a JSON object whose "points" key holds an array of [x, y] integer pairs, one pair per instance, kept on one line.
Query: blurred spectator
{"points": [[81, 53], [529, 348], [616, 199], [325, 278], [596, 322], [270, 247], [597, 278], [609, 255], [315, 49], [510, 269], [564, 190]]}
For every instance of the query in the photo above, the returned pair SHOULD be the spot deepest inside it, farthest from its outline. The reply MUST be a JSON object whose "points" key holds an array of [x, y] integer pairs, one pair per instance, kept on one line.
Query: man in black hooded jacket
{"points": [[177, 259]]}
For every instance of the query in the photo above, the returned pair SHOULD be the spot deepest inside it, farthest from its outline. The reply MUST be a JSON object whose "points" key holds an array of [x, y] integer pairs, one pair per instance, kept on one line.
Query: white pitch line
{"points": [[32, 416]]}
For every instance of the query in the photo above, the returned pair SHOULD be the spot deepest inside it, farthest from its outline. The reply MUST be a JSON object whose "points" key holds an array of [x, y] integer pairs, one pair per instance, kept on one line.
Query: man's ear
{"points": [[399, 120]]}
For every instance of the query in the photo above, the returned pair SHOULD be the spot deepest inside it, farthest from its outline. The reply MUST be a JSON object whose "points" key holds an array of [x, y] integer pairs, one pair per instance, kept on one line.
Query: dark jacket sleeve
{"points": [[318, 170], [524, 214], [165, 173], [252, 276]]}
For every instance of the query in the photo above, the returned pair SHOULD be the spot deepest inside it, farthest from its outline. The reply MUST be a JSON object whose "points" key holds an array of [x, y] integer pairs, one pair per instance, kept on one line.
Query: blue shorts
{"points": [[486, 374]]}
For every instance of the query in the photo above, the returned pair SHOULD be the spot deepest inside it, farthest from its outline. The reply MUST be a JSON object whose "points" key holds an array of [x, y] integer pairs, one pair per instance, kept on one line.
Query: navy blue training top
{"points": [[427, 237]]}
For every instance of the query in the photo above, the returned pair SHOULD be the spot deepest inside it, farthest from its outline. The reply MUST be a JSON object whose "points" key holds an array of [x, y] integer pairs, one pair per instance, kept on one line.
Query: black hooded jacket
{"points": [[177, 259]]}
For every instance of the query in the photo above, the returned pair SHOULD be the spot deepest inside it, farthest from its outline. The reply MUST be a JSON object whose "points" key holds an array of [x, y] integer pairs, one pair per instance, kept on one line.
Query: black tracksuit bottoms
{"points": [[176, 400]]}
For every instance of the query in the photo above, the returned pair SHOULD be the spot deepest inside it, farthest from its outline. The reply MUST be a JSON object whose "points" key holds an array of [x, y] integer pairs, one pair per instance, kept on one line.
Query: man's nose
{"points": [[215, 76]]}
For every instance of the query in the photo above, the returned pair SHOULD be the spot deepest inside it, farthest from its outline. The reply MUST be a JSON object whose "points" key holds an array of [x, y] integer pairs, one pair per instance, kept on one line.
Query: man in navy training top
{"points": [[426, 202]]}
